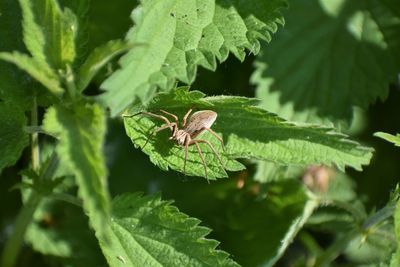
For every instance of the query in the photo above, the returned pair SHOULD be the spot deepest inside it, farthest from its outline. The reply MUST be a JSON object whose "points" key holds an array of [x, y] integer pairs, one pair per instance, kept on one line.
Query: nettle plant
{"points": [[332, 57]]}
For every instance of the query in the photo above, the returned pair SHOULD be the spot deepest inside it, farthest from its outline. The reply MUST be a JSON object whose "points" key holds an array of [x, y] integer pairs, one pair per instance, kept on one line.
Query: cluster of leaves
{"points": [[52, 68]]}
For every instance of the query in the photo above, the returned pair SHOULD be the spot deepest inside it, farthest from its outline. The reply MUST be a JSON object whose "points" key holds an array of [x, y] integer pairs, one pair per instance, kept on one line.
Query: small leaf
{"points": [[328, 60], [395, 139], [81, 132], [13, 138], [179, 36], [248, 132], [40, 72], [81, 9], [98, 58], [150, 232], [49, 32]]}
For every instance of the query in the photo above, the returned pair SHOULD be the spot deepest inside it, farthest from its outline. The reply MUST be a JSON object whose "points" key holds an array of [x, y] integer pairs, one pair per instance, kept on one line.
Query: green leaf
{"points": [[98, 58], [81, 131], [39, 71], [395, 260], [12, 90], [49, 32], [180, 35], [150, 232], [331, 56], [395, 139], [13, 138], [248, 132], [81, 9]]}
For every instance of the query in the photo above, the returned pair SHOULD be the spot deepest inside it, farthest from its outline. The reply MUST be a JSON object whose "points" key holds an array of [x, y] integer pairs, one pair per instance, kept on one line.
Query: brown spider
{"points": [[199, 121]]}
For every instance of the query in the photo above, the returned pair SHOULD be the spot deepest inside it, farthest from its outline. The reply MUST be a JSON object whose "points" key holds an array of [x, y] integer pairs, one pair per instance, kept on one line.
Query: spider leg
{"points": [[185, 117], [202, 158], [186, 147], [171, 125], [158, 117], [216, 136], [130, 115], [170, 114], [212, 148]]}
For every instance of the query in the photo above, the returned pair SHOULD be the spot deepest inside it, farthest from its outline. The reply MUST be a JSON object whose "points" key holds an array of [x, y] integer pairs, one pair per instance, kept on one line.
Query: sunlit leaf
{"points": [[330, 57], [180, 35], [97, 59], [395, 139], [49, 32], [248, 132], [81, 130], [39, 71], [150, 232]]}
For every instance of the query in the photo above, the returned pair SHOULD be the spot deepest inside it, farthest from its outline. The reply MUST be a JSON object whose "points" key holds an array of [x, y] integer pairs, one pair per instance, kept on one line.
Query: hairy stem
{"points": [[326, 258], [70, 82], [35, 153]]}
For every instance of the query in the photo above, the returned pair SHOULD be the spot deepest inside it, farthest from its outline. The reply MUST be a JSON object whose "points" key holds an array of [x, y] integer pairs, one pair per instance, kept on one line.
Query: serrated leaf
{"points": [[329, 59], [13, 138], [39, 71], [180, 35], [166, 155], [395, 139], [150, 232], [98, 58], [81, 131], [49, 32], [248, 132]]}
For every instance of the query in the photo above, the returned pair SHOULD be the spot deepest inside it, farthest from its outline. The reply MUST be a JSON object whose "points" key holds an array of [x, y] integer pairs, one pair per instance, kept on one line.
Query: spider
{"points": [[199, 122]]}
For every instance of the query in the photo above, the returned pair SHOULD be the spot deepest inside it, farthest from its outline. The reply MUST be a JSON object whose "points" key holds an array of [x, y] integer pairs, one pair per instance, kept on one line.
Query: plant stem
{"points": [[70, 82], [33, 129], [326, 258], [35, 153], [24, 218]]}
